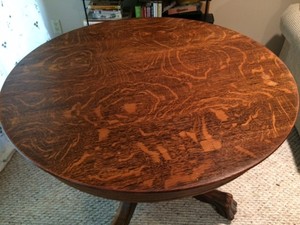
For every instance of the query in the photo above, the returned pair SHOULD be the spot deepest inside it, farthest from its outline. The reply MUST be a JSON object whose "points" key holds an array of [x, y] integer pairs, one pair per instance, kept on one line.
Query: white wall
{"points": [[258, 19], [69, 12]]}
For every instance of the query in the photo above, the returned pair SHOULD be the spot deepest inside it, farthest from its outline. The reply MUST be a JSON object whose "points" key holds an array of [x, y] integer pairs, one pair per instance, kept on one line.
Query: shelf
{"points": [[202, 14]]}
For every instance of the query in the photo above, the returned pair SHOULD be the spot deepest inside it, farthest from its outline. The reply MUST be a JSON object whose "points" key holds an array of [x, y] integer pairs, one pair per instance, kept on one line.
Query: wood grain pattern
{"points": [[134, 108]]}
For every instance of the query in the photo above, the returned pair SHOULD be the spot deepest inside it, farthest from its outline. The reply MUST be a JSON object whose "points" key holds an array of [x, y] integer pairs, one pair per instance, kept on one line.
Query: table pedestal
{"points": [[223, 203], [124, 213]]}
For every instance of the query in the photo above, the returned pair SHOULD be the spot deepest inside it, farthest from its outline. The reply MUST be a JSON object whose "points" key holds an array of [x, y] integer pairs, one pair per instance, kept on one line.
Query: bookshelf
{"points": [[195, 10], [97, 11]]}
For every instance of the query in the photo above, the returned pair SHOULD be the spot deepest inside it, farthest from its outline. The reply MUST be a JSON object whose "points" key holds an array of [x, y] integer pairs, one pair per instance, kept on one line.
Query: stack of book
{"points": [[104, 10], [148, 9], [178, 9], [182, 8], [189, 9]]}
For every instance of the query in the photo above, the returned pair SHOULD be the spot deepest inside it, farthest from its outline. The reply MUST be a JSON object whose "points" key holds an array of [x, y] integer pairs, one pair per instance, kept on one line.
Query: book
{"points": [[169, 6], [105, 14], [184, 9], [147, 8], [138, 11], [105, 5], [154, 9], [159, 9]]}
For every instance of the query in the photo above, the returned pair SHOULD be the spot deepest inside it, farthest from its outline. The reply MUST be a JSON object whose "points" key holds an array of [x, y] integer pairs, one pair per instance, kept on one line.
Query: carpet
{"points": [[268, 194]]}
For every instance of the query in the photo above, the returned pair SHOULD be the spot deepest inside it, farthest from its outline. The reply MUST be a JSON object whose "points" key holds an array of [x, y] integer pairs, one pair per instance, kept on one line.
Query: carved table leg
{"points": [[223, 202], [124, 213]]}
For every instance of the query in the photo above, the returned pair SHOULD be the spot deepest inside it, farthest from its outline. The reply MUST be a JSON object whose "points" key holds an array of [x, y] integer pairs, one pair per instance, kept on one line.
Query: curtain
{"points": [[21, 30]]}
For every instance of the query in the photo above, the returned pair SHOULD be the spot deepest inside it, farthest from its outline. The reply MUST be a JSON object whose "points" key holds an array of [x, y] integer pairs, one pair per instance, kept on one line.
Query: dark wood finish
{"points": [[144, 196], [149, 109], [124, 213], [223, 202]]}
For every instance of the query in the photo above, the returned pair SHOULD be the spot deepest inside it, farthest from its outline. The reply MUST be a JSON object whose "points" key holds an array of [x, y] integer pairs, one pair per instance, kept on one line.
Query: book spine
{"points": [[148, 9], [105, 7], [138, 12], [154, 9], [145, 11], [151, 10], [159, 9]]}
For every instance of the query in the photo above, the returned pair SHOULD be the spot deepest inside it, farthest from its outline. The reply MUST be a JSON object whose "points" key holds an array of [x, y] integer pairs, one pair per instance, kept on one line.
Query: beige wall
{"points": [[258, 19]]}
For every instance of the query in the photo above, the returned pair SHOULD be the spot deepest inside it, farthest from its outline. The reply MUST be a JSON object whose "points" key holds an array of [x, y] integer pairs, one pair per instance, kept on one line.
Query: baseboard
{"points": [[7, 149]]}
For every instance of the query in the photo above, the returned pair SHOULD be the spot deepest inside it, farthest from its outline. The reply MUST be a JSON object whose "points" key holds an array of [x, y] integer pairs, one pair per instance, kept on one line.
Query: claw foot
{"points": [[223, 203]]}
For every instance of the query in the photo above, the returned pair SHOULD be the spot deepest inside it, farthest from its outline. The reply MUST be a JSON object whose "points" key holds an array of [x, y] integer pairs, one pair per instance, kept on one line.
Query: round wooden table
{"points": [[148, 110]]}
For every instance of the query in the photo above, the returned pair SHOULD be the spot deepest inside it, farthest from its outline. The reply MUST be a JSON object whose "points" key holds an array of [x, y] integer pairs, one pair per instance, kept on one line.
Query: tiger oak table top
{"points": [[149, 109]]}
